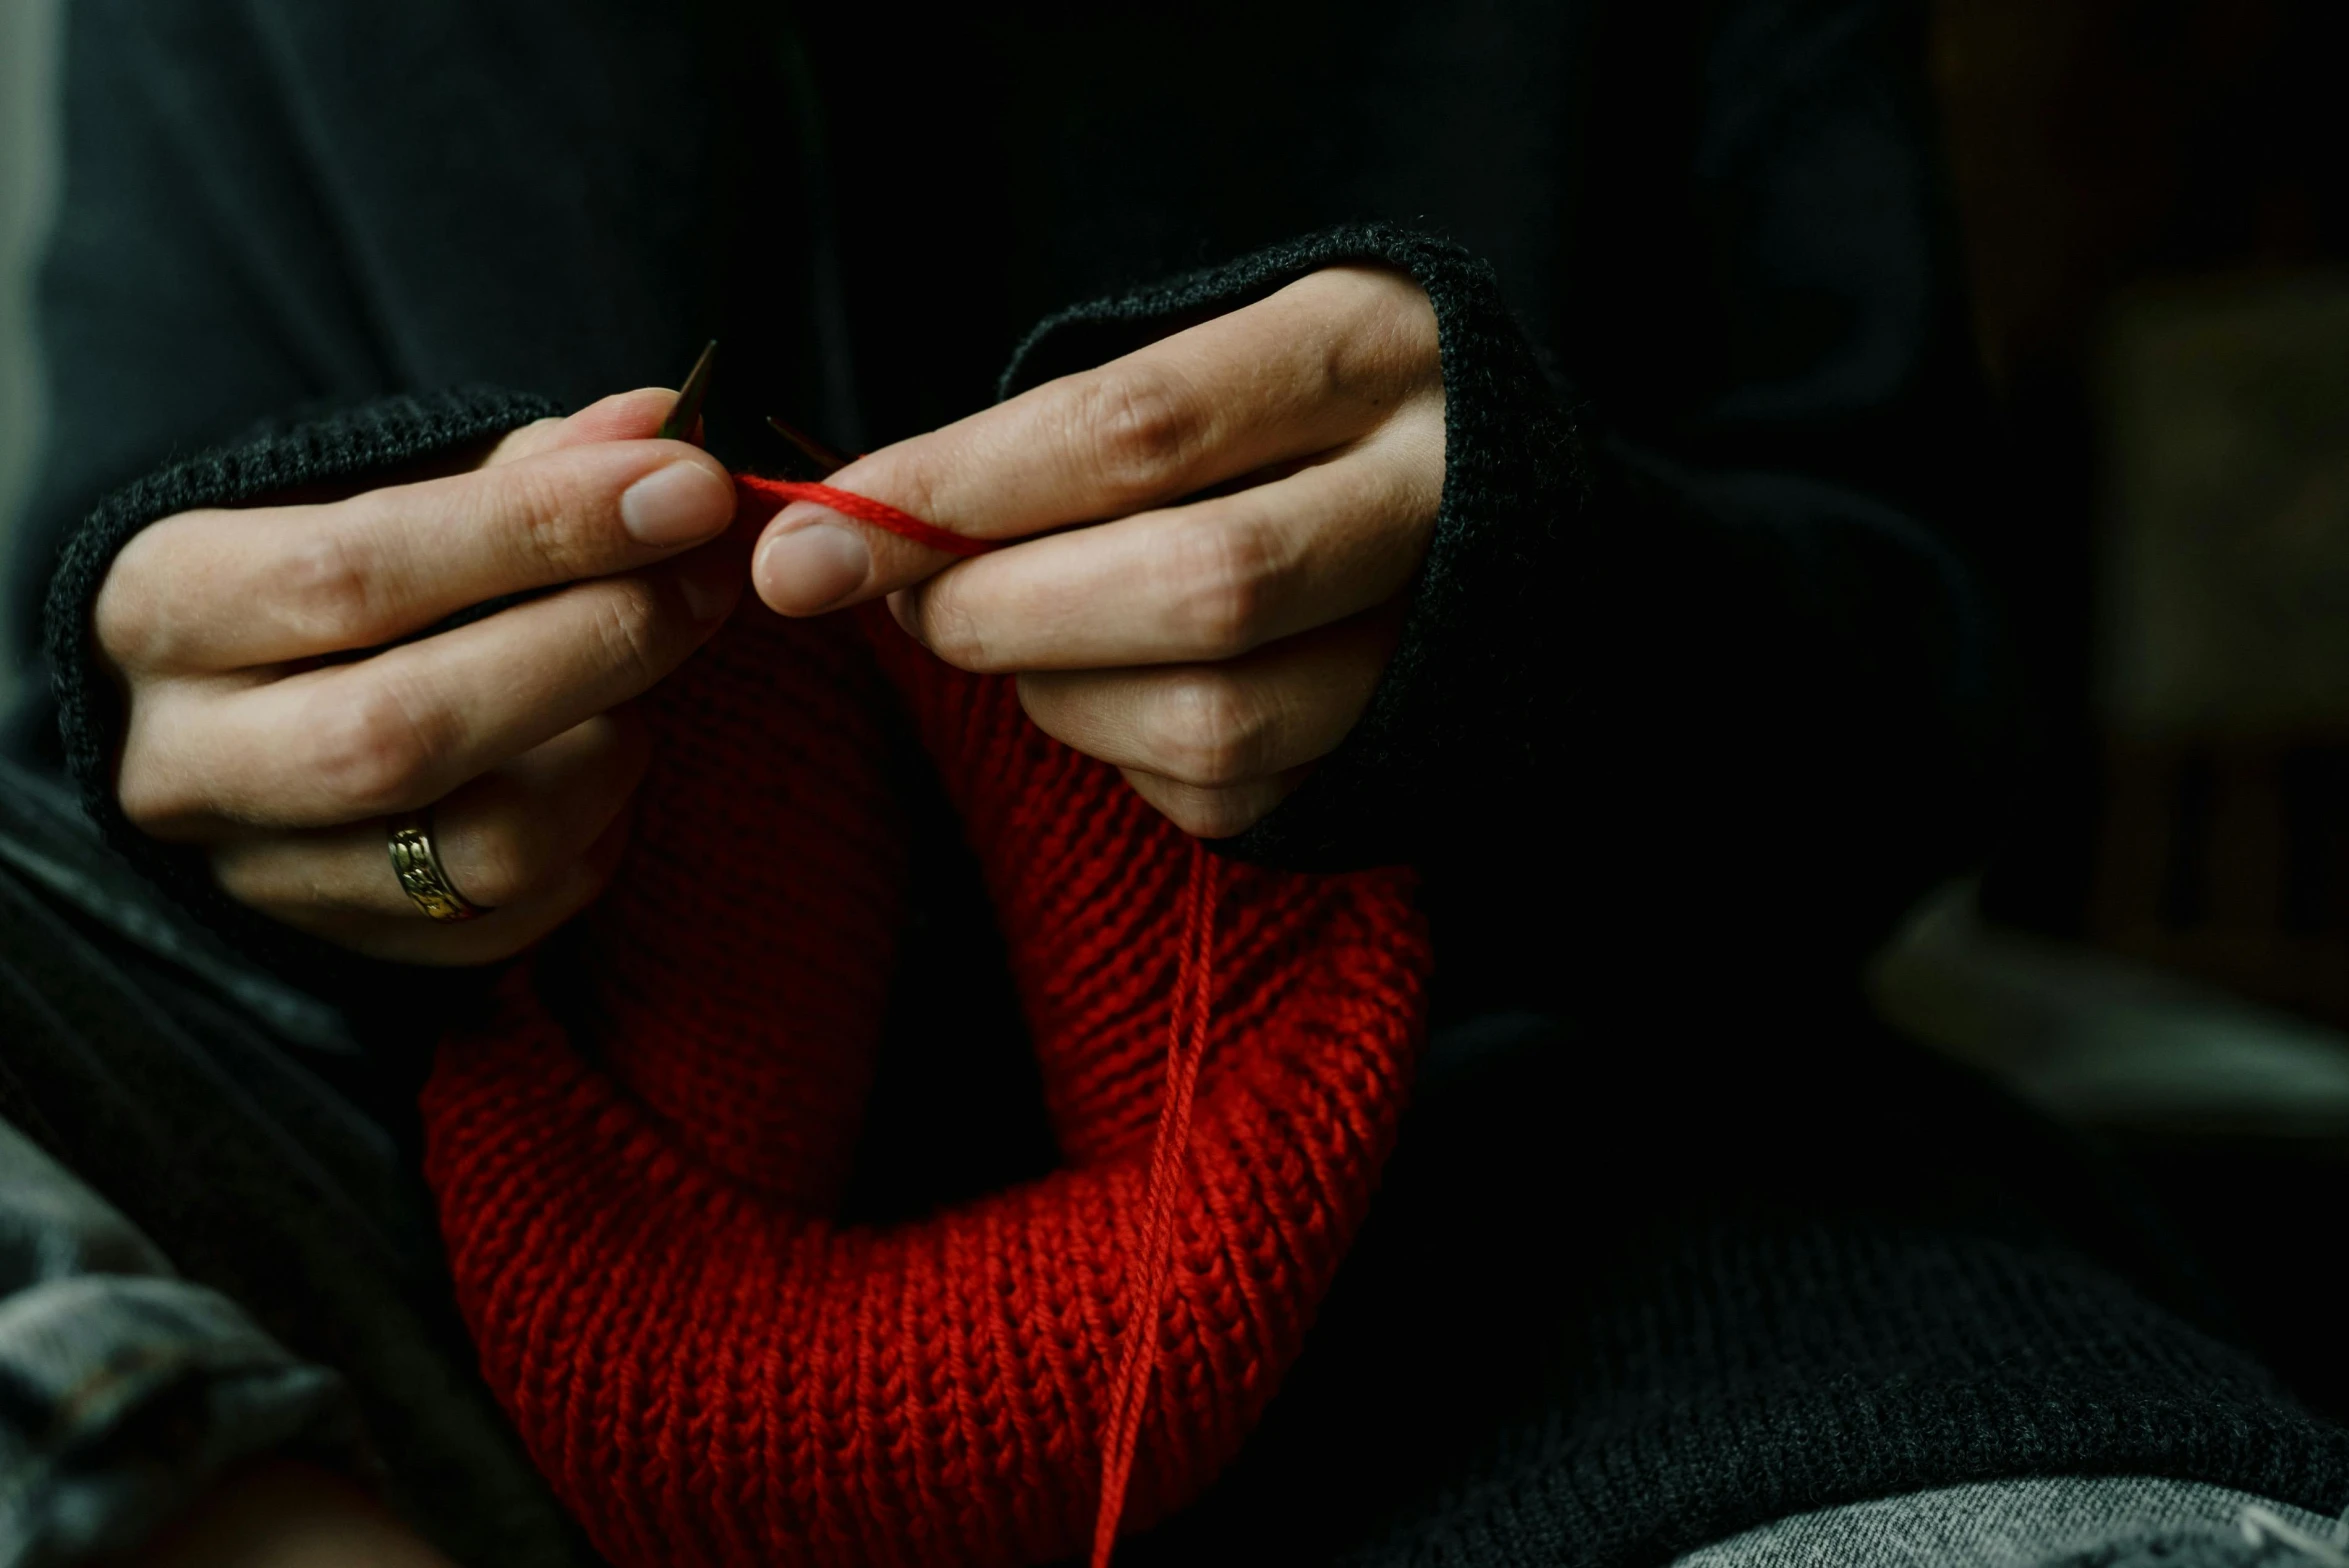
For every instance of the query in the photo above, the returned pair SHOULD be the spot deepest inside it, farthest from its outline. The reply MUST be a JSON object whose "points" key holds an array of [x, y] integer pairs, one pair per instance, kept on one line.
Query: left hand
{"points": [[1255, 496]]}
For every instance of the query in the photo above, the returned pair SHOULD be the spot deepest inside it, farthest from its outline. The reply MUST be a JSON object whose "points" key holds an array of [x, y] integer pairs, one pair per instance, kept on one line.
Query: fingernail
{"points": [[812, 568], [676, 505]]}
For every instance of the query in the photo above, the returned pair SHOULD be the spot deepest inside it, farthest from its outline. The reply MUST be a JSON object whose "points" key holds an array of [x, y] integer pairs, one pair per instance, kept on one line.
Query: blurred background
{"points": [[28, 53], [2155, 212]]}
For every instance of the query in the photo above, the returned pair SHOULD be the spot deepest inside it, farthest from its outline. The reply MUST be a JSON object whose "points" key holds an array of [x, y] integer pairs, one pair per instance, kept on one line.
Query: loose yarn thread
{"points": [[866, 510], [1130, 1394], [1187, 1047], [637, 1203]]}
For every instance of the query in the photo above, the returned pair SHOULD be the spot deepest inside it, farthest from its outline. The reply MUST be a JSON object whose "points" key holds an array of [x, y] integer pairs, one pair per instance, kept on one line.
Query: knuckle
{"points": [[1144, 425], [150, 797], [325, 590], [1228, 577], [160, 788], [126, 621], [1355, 296], [369, 752], [499, 864], [1382, 342], [1204, 731], [539, 508], [148, 801], [143, 802], [628, 624]]}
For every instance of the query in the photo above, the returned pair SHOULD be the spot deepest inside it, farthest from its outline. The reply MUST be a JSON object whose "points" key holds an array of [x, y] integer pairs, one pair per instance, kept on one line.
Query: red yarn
{"points": [[637, 1168], [1183, 1052], [1186, 1045], [865, 510]]}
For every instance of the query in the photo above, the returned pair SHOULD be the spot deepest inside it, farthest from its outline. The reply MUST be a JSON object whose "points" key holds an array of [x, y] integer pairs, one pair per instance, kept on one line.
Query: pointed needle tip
{"points": [[686, 411]]}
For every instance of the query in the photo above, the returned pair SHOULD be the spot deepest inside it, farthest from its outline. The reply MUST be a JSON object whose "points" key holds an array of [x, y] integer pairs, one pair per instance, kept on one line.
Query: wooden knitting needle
{"points": [[826, 460], [685, 413]]}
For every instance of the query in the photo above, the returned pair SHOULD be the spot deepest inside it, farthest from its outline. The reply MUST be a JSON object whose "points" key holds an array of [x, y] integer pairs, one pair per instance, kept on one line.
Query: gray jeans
{"points": [[2042, 1522]]}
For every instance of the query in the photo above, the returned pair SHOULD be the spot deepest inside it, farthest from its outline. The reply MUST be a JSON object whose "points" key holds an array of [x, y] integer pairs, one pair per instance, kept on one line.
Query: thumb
{"points": [[844, 545]]}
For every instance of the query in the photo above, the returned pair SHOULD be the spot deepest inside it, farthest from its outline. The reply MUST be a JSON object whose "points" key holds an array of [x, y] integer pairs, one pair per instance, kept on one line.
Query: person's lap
{"points": [[201, 1100], [1599, 1253]]}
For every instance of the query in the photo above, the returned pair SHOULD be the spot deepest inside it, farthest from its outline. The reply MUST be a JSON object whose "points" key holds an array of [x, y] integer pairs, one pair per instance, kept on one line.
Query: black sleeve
{"points": [[1515, 474], [203, 327], [1693, 648], [273, 209], [338, 450], [194, 283]]}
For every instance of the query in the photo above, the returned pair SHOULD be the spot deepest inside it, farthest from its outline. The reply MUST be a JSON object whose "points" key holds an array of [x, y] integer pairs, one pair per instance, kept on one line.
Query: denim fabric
{"points": [[45, 838], [2041, 1522], [244, 1131], [124, 1391]]}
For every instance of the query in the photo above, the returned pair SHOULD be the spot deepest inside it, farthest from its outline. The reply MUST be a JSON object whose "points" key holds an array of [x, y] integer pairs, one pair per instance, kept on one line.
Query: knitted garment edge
{"points": [[375, 439]]}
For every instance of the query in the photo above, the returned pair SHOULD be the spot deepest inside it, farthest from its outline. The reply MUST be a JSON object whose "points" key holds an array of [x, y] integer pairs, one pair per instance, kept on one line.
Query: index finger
{"points": [[1297, 373], [227, 590]]}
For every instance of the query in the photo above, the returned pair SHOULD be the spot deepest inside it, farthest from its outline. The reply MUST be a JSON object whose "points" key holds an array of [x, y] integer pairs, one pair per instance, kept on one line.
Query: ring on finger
{"points": [[422, 877]]}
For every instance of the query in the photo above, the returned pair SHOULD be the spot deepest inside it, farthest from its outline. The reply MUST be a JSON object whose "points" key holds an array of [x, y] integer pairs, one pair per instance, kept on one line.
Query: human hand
{"points": [[250, 734], [1259, 490]]}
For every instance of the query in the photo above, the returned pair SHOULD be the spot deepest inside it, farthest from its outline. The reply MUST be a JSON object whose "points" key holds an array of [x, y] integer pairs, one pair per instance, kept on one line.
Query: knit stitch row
{"points": [[639, 1184]]}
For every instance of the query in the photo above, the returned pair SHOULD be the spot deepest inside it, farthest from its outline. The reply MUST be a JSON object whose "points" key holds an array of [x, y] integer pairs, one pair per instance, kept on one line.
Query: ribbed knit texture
{"points": [[639, 1205], [321, 195]]}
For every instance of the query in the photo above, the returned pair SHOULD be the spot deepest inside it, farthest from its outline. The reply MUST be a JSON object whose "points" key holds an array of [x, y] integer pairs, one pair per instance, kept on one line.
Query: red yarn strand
{"points": [[867, 510], [711, 1368], [1186, 1047]]}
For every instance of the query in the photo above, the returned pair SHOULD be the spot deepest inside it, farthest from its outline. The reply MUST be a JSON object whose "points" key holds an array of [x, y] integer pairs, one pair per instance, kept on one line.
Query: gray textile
{"points": [[125, 1391], [2036, 1522], [202, 1118], [294, 1211], [45, 838], [210, 1116], [1766, 705]]}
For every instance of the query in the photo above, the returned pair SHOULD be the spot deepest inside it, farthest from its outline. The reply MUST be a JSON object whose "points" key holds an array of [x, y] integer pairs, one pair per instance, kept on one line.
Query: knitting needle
{"points": [[816, 451], [827, 461], [685, 413]]}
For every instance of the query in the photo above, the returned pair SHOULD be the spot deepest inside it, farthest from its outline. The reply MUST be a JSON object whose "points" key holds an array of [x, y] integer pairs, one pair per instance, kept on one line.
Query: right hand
{"points": [[250, 735]]}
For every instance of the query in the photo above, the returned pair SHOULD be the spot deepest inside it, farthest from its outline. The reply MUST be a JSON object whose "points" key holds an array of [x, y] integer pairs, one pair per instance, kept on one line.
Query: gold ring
{"points": [[422, 877]]}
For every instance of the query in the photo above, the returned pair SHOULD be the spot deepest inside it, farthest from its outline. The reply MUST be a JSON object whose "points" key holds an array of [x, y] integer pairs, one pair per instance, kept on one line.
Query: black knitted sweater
{"points": [[1693, 697]]}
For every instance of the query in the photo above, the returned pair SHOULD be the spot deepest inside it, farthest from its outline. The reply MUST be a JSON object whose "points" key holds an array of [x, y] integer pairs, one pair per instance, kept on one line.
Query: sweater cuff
{"points": [[371, 441], [1461, 695]]}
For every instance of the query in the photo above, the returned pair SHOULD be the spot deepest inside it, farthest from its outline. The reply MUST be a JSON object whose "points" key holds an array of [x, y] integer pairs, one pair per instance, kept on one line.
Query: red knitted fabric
{"points": [[637, 1180]]}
